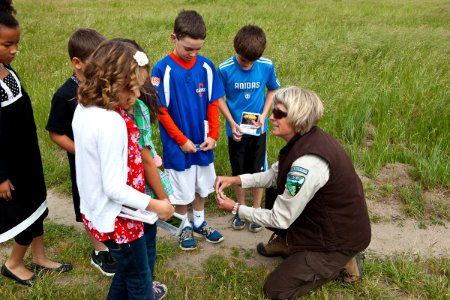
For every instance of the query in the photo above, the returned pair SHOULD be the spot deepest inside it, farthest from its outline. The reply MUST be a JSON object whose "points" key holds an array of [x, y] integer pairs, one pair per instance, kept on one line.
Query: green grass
{"points": [[414, 204], [225, 276], [380, 67]]}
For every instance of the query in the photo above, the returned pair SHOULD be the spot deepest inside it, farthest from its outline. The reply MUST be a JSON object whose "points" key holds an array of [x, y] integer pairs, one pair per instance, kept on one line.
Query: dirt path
{"points": [[396, 235]]}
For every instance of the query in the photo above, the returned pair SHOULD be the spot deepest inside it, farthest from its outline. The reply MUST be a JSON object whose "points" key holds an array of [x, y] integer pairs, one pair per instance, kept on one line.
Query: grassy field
{"points": [[380, 67]]}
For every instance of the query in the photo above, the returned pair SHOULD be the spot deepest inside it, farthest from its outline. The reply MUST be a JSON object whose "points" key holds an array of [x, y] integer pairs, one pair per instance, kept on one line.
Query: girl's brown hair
{"points": [[110, 70], [149, 95]]}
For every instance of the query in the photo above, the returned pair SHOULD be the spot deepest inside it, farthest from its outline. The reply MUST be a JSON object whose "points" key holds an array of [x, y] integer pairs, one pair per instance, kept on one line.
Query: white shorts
{"points": [[196, 179]]}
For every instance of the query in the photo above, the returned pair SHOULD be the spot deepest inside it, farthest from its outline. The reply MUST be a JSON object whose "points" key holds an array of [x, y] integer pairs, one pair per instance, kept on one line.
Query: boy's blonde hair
{"points": [[110, 70], [304, 108]]}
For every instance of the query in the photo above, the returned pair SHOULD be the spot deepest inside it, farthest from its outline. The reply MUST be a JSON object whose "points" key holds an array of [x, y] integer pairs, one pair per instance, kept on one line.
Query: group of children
{"points": [[116, 163]]}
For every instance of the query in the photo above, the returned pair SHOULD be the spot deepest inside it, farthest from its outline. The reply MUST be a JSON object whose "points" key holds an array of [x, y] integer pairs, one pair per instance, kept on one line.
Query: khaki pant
{"points": [[303, 271]]}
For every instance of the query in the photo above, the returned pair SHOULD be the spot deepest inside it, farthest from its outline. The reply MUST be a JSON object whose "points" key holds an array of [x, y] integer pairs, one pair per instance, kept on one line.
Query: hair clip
{"points": [[141, 58]]}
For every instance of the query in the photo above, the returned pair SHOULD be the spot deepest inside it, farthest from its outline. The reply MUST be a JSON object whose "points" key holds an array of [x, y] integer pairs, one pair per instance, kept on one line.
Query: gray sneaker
{"points": [[187, 241], [253, 227], [237, 223]]}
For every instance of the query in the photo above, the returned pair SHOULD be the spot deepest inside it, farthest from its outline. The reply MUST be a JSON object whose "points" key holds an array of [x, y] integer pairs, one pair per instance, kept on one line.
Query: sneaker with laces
{"points": [[159, 290], [211, 235], [353, 269], [237, 223], [187, 241], [253, 227], [276, 246], [104, 262]]}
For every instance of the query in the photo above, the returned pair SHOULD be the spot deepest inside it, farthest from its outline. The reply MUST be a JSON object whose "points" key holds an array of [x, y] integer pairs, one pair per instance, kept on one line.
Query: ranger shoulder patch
{"points": [[299, 169], [294, 183]]}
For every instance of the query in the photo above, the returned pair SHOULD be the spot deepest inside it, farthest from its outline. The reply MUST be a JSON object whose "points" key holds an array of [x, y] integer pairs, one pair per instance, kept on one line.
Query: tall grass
{"points": [[376, 64]]}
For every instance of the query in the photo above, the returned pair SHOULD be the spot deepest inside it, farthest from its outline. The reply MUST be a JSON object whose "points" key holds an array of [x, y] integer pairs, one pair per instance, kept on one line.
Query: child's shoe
{"points": [[159, 290], [187, 241], [211, 235], [104, 262], [237, 223], [253, 227]]}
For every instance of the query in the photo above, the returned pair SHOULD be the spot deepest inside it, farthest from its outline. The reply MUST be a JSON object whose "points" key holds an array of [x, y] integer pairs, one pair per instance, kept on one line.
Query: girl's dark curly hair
{"points": [[7, 12]]}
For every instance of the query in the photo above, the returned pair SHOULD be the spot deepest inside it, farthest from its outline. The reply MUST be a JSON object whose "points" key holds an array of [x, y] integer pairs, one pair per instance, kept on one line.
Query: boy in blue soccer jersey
{"points": [[245, 77], [188, 88]]}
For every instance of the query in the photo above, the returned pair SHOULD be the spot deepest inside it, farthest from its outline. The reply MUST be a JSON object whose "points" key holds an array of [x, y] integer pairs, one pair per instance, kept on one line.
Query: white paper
{"points": [[149, 217]]}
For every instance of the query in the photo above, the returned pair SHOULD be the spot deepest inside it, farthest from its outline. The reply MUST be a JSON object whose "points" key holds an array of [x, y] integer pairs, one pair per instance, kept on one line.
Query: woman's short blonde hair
{"points": [[304, 108], [110, 70]]}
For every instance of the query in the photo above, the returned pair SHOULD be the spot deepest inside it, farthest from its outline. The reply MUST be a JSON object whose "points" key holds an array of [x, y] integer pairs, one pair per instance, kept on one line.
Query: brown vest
{"points": [[336, 218]]}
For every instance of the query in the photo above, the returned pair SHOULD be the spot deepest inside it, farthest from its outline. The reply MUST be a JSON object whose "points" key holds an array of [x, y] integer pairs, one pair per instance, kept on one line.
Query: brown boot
{"points": [[353, 270], [276, 246]]}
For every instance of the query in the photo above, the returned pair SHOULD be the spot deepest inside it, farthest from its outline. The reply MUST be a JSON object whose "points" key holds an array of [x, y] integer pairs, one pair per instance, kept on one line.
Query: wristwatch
{"points": [[235, 208]]}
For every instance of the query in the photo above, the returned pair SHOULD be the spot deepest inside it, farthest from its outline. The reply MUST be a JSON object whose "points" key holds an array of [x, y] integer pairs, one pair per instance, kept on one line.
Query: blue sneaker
{"points": [[187, 241], [211, 235], [253, 227], [237, 223]]}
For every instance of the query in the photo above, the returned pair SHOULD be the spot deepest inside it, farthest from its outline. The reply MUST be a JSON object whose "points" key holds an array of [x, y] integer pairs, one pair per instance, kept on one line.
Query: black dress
{"points": [[20, 160]]}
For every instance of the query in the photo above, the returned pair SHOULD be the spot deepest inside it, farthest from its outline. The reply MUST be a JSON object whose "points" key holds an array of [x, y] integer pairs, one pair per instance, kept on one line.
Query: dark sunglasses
{"points": [[279, 114]]}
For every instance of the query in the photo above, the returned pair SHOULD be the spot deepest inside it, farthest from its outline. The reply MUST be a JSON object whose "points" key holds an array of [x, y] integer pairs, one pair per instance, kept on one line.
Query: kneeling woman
{"points": [[318, 212]]}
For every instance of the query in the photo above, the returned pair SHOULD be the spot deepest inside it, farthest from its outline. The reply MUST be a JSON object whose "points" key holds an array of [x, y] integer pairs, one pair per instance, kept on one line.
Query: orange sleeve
{"points": [[170, 126], [213, 120]]}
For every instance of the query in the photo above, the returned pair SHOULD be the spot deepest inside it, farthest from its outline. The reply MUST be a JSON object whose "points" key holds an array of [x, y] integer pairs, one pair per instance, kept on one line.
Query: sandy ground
{"points": [[392, 236]]}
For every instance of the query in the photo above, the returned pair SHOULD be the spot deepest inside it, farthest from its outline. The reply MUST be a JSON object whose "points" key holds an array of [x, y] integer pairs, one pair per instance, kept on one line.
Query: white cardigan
{"points": [[101, 147]]}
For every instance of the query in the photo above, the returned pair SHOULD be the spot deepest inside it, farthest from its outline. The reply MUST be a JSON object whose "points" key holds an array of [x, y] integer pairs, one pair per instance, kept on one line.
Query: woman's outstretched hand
{"points": [[223, 182], [224, 202]]}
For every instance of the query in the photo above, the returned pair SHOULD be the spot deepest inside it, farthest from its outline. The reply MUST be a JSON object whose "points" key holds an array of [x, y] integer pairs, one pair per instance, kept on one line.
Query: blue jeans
{"points": [[150, 241], [133, 278]]}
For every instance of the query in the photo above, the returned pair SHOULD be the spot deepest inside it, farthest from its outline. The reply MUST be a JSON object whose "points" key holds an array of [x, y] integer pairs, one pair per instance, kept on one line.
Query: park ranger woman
{"points": [[316, 210]]}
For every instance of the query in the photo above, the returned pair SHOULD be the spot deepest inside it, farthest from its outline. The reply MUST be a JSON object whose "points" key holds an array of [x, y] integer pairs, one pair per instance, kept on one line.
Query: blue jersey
{"points": [[244, 89], [186, 94]]}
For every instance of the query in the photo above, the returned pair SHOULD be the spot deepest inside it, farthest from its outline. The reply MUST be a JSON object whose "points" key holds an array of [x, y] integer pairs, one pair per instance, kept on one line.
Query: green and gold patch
{"points": [[294, 183]]}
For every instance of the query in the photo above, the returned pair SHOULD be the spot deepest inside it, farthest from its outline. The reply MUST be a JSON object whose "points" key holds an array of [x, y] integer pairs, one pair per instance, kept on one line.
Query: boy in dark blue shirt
{"points": [[81, 45]]}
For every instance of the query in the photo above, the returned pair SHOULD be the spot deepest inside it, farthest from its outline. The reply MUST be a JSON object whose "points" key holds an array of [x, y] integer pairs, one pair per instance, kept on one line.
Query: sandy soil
{"points": [[393, 233]]}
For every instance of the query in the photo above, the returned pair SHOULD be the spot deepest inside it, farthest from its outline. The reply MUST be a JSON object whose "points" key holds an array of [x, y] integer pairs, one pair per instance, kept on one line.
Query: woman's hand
{"points": [[223, 182], [5, 190], [224, 202]]}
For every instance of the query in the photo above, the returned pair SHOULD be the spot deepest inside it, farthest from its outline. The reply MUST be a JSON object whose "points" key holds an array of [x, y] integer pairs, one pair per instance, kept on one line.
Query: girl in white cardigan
{"points": [[114, 75]]}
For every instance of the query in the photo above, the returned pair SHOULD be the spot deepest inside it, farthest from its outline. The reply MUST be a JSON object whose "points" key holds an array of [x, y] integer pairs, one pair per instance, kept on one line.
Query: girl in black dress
{"points": [[23, 204]]}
